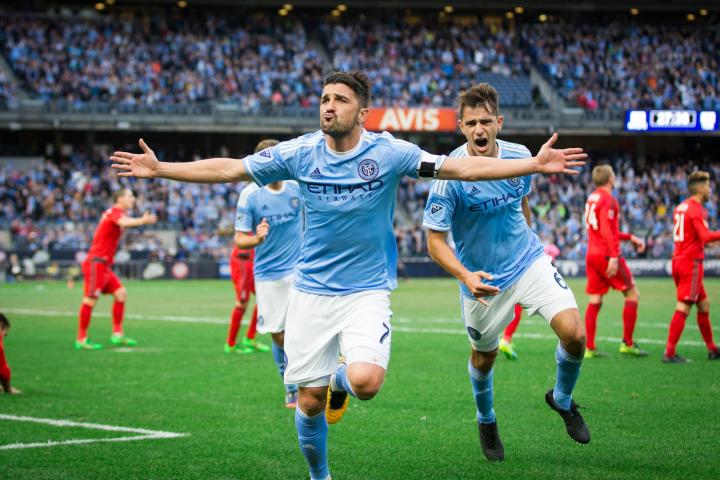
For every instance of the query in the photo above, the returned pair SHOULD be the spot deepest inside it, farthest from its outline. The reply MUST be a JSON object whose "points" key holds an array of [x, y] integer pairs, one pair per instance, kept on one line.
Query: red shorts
{"points": [[241, 272], [99, 278], [688, 276], [598, 283]]}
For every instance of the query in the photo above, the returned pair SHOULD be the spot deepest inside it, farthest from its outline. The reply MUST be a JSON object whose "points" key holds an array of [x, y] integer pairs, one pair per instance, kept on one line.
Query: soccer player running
{"points": [[604, 266], [98, 273], [241, 273], [4, 367], [275, 214], [500, 262], [691, 233], [340, 300]]}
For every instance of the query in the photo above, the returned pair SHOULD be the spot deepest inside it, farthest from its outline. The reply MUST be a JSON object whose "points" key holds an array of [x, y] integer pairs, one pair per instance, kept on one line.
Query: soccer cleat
{"points": [[507, 348], [632, 350], [87, 345], [291, 399], [230, 348], [337, 403], [490, 442], [122, 341], [674, 359], [254, 345], [714, 355], [574, 422], [594, 353]]}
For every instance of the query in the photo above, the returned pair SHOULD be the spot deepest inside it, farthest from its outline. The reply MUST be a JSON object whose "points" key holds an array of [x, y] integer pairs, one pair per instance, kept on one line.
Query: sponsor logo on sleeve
{"points": [[436, 211]]}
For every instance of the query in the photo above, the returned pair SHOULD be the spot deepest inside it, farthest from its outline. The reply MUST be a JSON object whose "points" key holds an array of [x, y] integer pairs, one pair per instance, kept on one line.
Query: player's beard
{"points": [[336, 129]]}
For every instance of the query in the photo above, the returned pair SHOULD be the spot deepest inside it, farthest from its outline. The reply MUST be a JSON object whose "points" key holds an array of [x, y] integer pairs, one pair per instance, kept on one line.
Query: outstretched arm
{"points": [[441, 252], [548, 160], [146, 219], [146, 165]]}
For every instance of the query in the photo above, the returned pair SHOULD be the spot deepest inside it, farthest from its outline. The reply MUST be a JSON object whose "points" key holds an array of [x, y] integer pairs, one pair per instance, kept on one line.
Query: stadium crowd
{"points": [[620, 65], [164, 60], [57, 207], [259, 61]]}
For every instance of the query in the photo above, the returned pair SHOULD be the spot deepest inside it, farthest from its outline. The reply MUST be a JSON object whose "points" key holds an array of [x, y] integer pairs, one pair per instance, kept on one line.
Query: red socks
{"points": [[118, 312], [591, 315], [235, 320], [676, 328], [629, 320], [252, 328], [703, 321], [510, 329], [84, 320]]}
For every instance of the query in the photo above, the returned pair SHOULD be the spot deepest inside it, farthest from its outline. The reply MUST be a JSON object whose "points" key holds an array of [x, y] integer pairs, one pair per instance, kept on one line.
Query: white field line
{"points": [[144, 433], [396, 328]]}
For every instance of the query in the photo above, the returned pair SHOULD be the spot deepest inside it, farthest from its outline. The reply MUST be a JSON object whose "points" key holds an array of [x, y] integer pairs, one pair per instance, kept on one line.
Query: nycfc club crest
{"points": [[515, 181], [368, 169], [294, 203], [474, 333]]}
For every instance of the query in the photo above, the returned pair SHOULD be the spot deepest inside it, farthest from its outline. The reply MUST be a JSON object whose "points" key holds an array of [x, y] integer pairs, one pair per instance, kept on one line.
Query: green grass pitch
{"points": [[648, 420]]}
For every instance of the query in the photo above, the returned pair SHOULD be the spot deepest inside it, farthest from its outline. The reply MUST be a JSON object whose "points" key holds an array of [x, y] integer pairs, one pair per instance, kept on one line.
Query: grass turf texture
{"points": [[648, 420]]}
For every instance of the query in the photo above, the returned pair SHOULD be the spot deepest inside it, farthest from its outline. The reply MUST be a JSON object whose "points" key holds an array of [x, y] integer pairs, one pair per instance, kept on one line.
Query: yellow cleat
{"points": [[594, 354], [337, 404], [508, 349]]}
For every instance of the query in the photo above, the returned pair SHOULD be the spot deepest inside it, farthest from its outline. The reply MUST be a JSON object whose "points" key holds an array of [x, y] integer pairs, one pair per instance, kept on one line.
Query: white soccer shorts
{"points": [[319, 327], [541, 289], [272, 298]]}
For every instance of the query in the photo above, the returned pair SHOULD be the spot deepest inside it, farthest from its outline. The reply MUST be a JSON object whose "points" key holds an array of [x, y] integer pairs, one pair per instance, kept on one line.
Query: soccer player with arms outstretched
{"points": [[604, 266], [500, 262], [691, 233], [340, 300], [98, 273], [275, 214], [4, 367]]}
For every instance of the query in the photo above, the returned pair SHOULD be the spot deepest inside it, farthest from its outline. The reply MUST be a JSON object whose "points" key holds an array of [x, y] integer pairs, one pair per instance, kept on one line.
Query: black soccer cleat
{"points": [[490, 442], [674, 359], [714, 355], [574, 422]]}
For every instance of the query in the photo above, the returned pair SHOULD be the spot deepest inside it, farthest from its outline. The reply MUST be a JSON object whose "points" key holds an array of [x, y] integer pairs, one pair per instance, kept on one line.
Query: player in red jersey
{"points": [[4, 367], [241, 273], [97, 268], [604, 265], [691, 233]]}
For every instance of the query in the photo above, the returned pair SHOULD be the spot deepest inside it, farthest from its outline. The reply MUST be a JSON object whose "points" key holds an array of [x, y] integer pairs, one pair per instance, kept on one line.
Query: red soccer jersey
{"points": [[4, 368], [690, 231], [602, 219], [107, 235]]}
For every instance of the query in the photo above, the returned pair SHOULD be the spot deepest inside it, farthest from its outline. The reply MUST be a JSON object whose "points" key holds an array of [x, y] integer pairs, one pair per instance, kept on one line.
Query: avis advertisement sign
{"points": [[412, 120]]}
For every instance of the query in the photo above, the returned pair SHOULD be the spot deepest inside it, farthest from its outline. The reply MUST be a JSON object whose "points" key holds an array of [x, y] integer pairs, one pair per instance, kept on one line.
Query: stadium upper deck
{"points": [[217, 67]]}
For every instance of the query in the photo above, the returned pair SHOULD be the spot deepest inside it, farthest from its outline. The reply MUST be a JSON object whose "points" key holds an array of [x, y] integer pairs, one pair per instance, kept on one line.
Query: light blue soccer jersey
{"points": [[486, 220], [277, 256], [349, 243]]}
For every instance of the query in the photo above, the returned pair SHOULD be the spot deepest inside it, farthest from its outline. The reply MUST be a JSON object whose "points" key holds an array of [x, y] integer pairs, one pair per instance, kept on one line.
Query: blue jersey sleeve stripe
{"points": [[436, 227], [250, 172]]}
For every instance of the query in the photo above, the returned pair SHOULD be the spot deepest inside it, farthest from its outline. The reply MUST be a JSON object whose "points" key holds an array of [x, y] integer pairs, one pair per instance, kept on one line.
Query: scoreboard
{"points": [[671, 121]]}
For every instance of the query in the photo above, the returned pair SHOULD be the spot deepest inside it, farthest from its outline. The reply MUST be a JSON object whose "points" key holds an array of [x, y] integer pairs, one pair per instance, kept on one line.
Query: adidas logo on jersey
{"points": [[266, 153], [265, 207], [315, 173], [474, 190]]}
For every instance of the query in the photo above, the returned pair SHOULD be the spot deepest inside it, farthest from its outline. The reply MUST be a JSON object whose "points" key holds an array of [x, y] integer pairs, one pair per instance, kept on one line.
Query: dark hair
{"points": [[119, 193], [267, 143], [358, 82], [4, 322], [695, 179], [480, 95]]}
